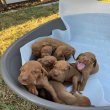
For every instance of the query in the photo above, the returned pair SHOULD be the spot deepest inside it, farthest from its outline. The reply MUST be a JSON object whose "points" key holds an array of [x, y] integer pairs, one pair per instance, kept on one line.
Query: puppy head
{"points": [[35, 50], [64, 52], [59, 56], [46, 51], [59, 53], [31, 72], [85, 59], [68, 52], [47, 61], [60, 71]]}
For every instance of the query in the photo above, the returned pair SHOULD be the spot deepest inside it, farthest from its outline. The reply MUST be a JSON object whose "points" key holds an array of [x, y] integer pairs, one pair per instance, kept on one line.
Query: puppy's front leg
{"points": [[85, 76], [51, 90], [84, 81], [32, 89], [75, 80], [63, 94]]}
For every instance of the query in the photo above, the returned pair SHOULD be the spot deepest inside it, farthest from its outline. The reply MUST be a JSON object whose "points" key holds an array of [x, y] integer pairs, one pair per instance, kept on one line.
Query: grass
{"points": [[10, 101], [14, 25]]}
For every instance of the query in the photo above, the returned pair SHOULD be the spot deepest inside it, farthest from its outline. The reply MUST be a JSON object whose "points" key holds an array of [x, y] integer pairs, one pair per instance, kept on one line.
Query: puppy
{"points": [[68, 98], [48, 46], [46, 51], [47, 62], [63, 52], [63, 71], [34, 76], [87, 64]]}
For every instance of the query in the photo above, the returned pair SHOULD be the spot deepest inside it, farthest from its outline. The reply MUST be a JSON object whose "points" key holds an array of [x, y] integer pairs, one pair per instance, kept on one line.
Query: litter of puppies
{"points": [[49, 73]]}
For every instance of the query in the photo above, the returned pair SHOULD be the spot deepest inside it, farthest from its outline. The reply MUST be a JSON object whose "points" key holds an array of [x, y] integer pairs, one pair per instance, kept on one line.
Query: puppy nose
{"points": [[56, 73], [24, 78], [85, 61], [46, 63]]}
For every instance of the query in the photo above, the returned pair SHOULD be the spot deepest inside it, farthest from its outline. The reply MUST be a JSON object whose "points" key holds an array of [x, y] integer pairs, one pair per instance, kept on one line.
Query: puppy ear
{"points": [[45, 44], [95, 62], [21, 68], [55, 62], [79, 56], [44, 72], [39, 60]]}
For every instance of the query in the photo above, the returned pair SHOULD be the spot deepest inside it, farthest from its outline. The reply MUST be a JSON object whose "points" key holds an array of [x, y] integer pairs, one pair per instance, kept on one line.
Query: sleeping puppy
{"points": [[63, 71], [34, 76], [47, 62], [47, 47], [46, 51], [63, 52], [68, 98], [87, 64]]}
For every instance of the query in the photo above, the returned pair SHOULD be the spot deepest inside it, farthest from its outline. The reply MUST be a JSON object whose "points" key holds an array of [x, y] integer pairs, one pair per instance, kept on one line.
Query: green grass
{"points": [[10, 101], [14, 25]]}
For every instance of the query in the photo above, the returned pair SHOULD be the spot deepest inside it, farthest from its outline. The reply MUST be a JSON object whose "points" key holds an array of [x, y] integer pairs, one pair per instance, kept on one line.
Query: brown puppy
{"points": [[63, 52], [68, 98], [34, 76], [46, 51], [47, 46], [63, 71], [87, 64], [47, 62]]}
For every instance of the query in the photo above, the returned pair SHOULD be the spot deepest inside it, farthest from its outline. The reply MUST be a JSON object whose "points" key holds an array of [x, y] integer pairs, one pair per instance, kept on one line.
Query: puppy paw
{"points": [[73, 92], [33, 90], [81, 88]]}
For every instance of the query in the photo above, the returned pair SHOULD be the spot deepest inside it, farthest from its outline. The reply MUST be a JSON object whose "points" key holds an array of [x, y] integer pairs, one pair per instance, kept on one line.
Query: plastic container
{"points": [[11, 62]]}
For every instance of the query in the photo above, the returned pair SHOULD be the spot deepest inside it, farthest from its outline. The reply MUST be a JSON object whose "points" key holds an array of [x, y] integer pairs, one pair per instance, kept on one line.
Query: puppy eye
{"points": [[92, 60], [34, 72], [21, 69], [39, 76], [81, 57], [50, 61], [60, 56], [67, 68], [55, 66]]}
